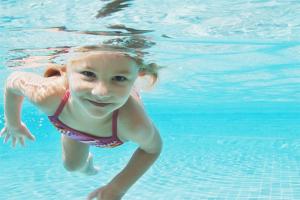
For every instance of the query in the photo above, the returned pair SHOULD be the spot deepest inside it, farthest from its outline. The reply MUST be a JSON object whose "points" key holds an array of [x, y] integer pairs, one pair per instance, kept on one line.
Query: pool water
{"points": [[227, 106]]}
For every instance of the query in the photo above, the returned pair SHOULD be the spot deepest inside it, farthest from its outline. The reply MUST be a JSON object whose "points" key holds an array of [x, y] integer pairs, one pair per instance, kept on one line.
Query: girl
{"points": [[92, 103]]}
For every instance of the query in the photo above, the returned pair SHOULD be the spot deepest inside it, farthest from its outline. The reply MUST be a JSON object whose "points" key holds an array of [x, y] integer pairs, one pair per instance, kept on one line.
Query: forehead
{"points": [[111, 60]]}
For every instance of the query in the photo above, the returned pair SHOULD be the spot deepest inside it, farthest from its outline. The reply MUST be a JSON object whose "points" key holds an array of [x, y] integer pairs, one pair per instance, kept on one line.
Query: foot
{"points": [[89, 169]]}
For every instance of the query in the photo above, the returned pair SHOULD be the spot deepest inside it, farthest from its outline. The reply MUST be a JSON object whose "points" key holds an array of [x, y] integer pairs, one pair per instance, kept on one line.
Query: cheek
{"points": [[76, 83], [123, 92]]}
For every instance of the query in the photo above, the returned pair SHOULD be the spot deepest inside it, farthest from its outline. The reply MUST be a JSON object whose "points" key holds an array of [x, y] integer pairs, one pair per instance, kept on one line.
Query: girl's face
{"points": [[101, 83]]}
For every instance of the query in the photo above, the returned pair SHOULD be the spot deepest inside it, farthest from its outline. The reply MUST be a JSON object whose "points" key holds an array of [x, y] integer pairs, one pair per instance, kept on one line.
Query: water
{"points": [[227, 106]]}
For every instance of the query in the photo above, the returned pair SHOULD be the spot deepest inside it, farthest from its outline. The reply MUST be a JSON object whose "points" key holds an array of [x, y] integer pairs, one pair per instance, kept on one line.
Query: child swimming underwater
{"points": [[92, 103]]}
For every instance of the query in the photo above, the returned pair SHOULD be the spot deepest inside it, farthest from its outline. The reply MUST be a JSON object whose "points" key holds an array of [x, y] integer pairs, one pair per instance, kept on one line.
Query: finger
{"points": [[22, 141], [14, 142], [6, 139], [3, 131], [92, 195], [30, 137]]}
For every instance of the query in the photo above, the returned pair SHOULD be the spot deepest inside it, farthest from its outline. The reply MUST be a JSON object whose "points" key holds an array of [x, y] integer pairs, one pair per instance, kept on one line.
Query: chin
{"points": [[98, 114]]}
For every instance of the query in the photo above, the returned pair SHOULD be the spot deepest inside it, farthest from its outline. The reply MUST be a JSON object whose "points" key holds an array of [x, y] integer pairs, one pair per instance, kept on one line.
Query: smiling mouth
{"points": [[98, 104]]}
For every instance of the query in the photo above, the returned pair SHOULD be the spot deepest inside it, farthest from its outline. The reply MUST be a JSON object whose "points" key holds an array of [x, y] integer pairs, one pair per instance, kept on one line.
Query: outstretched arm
{"points": [[140, 162], [12, 110], [18, 86], [13, 100]]}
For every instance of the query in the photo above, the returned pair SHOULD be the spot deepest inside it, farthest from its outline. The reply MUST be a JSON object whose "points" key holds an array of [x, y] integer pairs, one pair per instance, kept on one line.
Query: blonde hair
{"points": [[130, 47], [150, 70], [145, 70], [58, 70]]}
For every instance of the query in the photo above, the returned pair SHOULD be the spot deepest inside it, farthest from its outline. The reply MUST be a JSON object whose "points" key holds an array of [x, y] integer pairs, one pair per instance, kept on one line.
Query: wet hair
{"points": [[145, 70], [131, 48], [58, 70], [150, 70]]}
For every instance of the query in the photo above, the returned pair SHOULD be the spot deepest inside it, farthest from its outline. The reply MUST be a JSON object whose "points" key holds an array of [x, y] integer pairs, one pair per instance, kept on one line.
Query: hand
{"points": [[104, 193], [17, 133]]}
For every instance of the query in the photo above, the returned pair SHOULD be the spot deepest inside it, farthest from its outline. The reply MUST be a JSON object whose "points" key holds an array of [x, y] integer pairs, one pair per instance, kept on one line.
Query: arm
{"points": [[140, 162], [18, 86], [150, 146], [12, 111], [12, 102]]}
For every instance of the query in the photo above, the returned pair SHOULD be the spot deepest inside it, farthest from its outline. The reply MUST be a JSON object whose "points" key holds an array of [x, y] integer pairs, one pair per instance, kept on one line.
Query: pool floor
{"points": [[205, 156]]}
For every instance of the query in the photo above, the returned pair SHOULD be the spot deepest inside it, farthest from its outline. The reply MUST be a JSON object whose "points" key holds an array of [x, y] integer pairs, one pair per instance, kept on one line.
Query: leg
{"points": [[76, 157]]}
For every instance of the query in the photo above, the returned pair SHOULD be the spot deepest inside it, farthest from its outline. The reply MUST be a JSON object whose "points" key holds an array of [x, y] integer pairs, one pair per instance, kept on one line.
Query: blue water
{"points": [[227, 105]]}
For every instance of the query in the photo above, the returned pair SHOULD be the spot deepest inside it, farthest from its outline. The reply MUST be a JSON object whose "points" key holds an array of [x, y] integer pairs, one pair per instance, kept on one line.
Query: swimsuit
{"points": [[104, 142]]}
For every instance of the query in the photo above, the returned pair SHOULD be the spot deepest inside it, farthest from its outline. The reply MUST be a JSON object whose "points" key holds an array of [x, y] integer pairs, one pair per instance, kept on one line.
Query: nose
{"points": [[101, 89]]}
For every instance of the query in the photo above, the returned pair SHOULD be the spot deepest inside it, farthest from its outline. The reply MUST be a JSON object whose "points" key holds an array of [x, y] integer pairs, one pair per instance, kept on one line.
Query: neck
{"points": [[79, 114]]}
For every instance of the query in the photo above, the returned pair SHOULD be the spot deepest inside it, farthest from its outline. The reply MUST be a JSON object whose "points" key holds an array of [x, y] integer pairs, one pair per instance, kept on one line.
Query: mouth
{"points": [[98, 104]]}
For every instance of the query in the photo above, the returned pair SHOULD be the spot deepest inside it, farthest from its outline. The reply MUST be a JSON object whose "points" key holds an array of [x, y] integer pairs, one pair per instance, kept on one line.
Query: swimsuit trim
{"points": [[59, 110]]}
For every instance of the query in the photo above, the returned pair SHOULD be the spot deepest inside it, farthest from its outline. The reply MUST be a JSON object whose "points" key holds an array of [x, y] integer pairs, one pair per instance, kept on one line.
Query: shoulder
{"points": [[136, 126], [52, 98], [44, 93]]}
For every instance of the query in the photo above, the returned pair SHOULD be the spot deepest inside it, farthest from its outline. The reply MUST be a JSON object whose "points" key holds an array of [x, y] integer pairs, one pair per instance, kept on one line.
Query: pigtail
{"points": [[151, 71], [57, 70]]}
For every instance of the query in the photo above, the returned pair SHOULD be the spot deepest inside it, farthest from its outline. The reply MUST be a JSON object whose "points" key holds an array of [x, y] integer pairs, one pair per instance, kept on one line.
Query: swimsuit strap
{"points": [[114, 123], [62, 103]]}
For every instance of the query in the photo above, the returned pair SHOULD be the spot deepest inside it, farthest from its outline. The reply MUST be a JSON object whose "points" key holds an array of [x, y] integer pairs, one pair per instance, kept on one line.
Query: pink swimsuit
{"points": [[104, 142]]}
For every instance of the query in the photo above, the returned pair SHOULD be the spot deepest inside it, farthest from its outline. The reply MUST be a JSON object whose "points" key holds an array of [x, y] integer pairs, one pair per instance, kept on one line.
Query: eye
{"points": [[88, 74], [119, 78]]}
